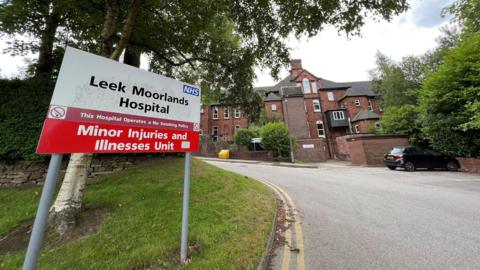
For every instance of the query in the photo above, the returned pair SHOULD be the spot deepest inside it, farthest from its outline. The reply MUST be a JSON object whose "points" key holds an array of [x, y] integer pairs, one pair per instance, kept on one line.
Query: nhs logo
{"points": [[191, 90]]}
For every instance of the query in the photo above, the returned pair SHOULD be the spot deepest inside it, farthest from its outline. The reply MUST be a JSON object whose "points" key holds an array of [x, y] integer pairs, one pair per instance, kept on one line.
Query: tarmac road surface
{"points": [[374, 218]]}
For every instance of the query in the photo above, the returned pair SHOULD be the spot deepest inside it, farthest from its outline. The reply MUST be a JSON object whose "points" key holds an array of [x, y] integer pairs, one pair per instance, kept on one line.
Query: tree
{"points": [[276, 138], [216, 46], [402, 120], [244, 136], [396, 84], [69, 200], [449, 101]]}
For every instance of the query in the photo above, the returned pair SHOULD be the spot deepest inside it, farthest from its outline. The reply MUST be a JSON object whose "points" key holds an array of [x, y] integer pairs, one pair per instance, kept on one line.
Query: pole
{"points": [[186, 199], [35, 243]]}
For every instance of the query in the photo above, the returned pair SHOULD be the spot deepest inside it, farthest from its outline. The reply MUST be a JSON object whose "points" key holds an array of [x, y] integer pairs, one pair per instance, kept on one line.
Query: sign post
{"points": [[103, 106], [186, 200], [38, 230]]}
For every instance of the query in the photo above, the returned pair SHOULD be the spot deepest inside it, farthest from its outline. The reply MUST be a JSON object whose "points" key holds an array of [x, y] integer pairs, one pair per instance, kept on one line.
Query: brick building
{"points": [[315, 109]]}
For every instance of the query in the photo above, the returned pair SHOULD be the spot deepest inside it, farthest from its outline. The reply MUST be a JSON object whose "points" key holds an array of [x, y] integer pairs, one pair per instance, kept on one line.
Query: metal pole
{"points": [[186, 199], [40, 223]]}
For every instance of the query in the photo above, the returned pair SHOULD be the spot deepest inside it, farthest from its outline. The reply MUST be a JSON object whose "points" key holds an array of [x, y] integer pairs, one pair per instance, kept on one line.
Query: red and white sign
{"points": [[103, 106]]}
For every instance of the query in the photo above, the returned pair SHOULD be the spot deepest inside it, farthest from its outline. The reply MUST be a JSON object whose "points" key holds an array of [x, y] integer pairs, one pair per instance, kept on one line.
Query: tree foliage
{"points": [[276, 138], [450, 99], [23, 106], [215, 44], [402, 120], [244, 136]]}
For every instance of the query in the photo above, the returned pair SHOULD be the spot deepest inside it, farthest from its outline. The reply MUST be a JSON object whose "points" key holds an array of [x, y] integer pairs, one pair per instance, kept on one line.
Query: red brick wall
{"points": [[331, 105], [318, 153], [294, 111], [369, 150], [226, 127], [274, 115], [364, 125], [470, 165]]}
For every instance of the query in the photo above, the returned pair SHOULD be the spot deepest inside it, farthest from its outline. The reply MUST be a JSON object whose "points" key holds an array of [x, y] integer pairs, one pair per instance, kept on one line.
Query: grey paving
{"points": [[374, 218]]}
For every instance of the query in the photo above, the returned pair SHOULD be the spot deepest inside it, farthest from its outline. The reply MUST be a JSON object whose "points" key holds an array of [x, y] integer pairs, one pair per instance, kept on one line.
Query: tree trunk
{"points": [[45, 53], [131, 57], [68, 204]]}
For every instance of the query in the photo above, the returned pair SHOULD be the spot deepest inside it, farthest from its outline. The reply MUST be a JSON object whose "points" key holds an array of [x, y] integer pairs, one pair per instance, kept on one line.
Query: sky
{"points": [[336, 57]]}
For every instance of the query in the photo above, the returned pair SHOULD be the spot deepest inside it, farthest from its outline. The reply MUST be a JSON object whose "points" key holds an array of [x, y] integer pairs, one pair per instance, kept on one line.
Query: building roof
{"points": [[354, 89], [272, 97], [364, 115], [291, 91]]}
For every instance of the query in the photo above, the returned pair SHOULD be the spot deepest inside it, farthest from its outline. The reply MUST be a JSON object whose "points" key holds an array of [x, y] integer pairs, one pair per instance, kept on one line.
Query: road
{"points": [[374, 218]]}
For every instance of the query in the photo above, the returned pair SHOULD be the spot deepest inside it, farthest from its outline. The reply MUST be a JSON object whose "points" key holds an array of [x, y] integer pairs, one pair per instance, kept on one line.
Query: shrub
{"points": [[244, 137], [23, 107], [276, 138]]}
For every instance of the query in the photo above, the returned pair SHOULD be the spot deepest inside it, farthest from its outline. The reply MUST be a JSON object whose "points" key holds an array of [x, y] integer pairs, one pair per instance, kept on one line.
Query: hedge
{"points": [[23, 106]]}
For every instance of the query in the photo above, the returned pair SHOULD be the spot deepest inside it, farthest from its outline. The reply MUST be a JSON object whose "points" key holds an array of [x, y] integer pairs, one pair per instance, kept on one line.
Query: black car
{"points": [[413, 157]]}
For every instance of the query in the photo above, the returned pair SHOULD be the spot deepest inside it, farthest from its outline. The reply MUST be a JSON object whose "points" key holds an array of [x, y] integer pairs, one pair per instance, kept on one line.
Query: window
{"points": [[330, 96], [357, 130], [357, 102], [338, 115], [320, 129], [316, 105], [306, 86], [314, 87], [215, 113], [274, 108], [214, 133], [370, 105], [237, 113], [201, 108], [226, 113]]}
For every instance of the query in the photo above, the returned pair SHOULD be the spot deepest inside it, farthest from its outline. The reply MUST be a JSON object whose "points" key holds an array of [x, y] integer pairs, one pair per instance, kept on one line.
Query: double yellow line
{"points": [[291, 212]]}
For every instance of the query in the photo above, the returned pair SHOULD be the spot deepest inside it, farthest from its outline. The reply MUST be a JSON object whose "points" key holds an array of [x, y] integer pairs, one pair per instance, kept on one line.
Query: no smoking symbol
{"points": [[57, 112]]}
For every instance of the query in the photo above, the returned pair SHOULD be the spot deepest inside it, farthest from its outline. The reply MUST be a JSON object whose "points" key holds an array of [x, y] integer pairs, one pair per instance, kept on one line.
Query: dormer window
{"points": [[306, 86], [357, 102], [274, 108]]}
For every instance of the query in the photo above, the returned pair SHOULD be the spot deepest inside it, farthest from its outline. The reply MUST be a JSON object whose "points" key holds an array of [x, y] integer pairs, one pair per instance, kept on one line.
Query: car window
{"points": [[431, 152], [397, 150], [414, 151]]}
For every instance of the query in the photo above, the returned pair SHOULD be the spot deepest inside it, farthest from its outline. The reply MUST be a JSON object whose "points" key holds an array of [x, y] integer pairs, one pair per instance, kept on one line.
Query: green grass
{"points": [[230, 219]]}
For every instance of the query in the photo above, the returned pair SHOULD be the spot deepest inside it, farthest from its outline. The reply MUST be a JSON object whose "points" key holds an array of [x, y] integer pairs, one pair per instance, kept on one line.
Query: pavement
{"points": [[373, 218]]}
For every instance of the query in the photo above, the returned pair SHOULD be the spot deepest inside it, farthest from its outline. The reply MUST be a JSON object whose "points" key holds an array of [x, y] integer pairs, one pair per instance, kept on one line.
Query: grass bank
{"points": [[230, 219]]}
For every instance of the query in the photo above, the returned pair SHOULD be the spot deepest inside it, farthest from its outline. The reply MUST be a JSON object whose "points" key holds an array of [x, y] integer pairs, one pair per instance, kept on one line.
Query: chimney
{"points": [[296, 67]]}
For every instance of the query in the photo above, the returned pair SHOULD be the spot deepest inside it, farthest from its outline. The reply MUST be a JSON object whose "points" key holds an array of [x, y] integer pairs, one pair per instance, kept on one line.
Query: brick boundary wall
{"points": [[469, 165], [21, 173], [318, 153], [368, 150]]}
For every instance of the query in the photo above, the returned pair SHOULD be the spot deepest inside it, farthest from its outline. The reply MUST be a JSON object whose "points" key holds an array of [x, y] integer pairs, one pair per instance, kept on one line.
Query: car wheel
{"points": [[392, 167], [409, 166], [452, 166]]}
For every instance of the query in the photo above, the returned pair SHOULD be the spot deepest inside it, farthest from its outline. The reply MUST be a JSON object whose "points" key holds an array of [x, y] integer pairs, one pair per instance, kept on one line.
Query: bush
{"points": [[23, 107], [244, 137], [447, 101], [403, 120], [276, 138]]}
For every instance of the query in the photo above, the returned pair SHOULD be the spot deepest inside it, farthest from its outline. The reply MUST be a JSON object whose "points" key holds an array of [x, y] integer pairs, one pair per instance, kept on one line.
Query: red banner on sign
{"points": [[60, 136]]}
